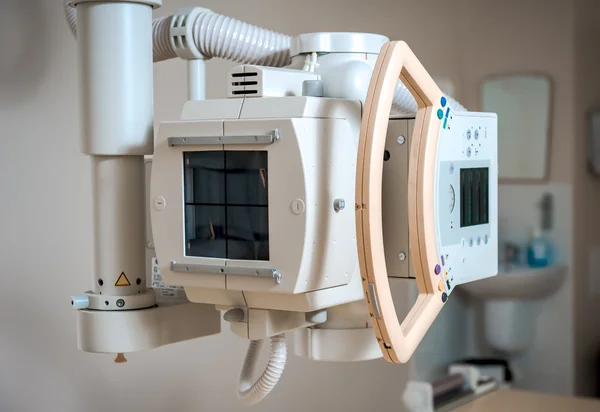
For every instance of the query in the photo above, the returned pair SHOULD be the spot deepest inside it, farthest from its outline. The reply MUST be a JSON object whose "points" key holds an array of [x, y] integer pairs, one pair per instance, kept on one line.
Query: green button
{"points": [[440, 114]]}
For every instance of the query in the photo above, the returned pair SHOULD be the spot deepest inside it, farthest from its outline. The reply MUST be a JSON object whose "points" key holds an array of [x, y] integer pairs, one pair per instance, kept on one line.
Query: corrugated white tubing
{"points": [[216, 35], [220, 36], [404, 102], [252, 393], [71, 16]]}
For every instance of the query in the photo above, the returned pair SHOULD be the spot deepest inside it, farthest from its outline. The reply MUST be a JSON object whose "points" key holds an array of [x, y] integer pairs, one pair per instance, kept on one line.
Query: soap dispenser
{"points": [[539, 250]]}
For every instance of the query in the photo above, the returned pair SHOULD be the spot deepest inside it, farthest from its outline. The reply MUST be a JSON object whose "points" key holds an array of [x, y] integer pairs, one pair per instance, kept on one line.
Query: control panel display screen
{"points": [[474, 196]]}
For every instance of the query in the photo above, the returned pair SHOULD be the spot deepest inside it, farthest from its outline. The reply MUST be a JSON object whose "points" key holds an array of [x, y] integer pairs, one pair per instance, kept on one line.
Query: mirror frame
{"points": [[549, 129]]}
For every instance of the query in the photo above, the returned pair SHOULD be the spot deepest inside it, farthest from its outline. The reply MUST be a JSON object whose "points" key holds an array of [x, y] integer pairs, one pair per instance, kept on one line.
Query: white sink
{"points": [[512, 302], [518, 282]]}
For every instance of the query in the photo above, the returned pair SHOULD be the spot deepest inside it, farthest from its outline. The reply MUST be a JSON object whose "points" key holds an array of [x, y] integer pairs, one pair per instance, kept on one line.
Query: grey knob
{"points": [[234, 315], [313, 88]]}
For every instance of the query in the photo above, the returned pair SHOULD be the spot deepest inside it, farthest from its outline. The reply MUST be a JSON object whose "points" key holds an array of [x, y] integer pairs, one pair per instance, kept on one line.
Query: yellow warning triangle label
{"points": [[122, 281]]}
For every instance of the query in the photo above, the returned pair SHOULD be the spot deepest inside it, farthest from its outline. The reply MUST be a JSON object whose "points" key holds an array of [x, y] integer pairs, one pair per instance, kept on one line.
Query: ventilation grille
{"points": [[244, 84]]}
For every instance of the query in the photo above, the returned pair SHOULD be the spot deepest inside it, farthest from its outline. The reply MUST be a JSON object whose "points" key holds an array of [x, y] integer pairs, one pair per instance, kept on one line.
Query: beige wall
{"points": [[46, 208], [515, 36], [587, 202]]}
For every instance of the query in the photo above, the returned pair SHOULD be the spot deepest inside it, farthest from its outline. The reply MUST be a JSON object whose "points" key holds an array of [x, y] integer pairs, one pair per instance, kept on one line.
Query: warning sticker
{"points": [[122, 281], [166, 291]]}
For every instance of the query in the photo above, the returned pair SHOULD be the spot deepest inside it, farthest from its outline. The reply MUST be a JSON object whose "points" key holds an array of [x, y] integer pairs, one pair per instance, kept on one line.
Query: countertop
{"points": [[517, 401]]}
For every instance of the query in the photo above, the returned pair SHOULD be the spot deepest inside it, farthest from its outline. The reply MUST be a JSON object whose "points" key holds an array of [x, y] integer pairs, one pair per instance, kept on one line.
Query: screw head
{"points": [[150, 245], [298, 206], [160, 203], [402, 256], [401, 139], [339, 204], [120, 303]]}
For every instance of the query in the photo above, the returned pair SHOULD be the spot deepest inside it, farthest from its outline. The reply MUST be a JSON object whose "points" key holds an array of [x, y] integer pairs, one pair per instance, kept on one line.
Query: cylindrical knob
{"points": [[313, 88], [234, 315], [80, 301]]}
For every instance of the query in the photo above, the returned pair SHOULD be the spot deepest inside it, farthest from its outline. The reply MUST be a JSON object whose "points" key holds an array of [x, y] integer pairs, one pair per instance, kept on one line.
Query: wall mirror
{"points": [[523, 103]]}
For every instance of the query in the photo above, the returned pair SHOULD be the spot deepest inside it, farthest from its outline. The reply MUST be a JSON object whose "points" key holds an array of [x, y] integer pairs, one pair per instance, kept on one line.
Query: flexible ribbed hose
{"points": [[217, 35], [161, 40], [252, 393], [404, 102], [71, 16]]}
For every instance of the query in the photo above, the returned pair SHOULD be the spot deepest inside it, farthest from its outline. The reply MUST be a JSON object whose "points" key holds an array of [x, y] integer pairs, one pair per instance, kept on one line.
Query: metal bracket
{"points": [[225, 270], [261, 139], [373, 297]]}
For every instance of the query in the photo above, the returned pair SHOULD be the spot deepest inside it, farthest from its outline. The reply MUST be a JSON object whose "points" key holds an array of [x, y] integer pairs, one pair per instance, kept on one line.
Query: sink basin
{"points": [[512, 302], [518, 282]]}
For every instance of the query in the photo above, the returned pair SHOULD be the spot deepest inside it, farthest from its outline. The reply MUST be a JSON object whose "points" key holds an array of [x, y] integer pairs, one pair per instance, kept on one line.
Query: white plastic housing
{"points": [[257, 81], [115, 69], [345, 61], [134, 330], [311, 244], [467, 140], [346, 336], [119, 236], [337, 42], [344, 75]]}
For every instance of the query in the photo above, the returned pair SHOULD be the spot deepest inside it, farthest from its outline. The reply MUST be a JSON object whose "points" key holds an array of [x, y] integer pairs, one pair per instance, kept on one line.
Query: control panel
{"points": [[466, 198]]}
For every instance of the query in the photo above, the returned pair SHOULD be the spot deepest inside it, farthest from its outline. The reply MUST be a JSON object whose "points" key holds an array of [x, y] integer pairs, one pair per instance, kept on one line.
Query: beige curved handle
{"points": [[399, 341]]}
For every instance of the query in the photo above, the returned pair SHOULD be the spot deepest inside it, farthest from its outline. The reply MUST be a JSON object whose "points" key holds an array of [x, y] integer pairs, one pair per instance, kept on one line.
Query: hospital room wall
{"points": [[587, 203]]}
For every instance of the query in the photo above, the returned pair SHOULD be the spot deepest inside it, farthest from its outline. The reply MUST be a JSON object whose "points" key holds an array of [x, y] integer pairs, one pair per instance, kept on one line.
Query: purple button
{"points": [[437, 269], [443, 262]]}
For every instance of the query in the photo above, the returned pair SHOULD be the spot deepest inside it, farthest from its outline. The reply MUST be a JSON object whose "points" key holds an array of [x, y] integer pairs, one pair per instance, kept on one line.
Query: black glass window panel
{"points": [[205, 231], [204, 178], [248, 233], [474, 196], [247, 178], [226, 204]]}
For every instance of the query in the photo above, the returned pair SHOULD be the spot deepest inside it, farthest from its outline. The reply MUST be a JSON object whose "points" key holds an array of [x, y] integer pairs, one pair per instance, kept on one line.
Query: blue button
{"points": [[440, 114], [444, 101]]}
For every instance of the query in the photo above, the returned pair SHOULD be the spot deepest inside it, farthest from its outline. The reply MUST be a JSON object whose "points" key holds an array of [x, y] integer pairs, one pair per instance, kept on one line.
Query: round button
{"points": [[468, 152], [444, 101], [476, 134], [437, 269], [160, 203], [441, 286], [485, 239], [298, 207], [444, 297], [471, 242], [469, 134], [478, 240], [440, 114]]}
